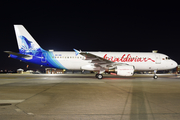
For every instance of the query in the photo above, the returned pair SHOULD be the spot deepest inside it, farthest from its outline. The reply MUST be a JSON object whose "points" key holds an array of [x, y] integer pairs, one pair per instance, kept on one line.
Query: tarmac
{"points": [[83, 97]]}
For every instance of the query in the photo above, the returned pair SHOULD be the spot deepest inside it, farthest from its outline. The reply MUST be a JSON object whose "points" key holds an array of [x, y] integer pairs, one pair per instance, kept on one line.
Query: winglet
{"points": [[77, 52]]}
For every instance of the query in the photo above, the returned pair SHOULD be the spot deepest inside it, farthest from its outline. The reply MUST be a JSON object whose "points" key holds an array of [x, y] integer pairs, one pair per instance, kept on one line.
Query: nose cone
{"points": [[174, 64]]}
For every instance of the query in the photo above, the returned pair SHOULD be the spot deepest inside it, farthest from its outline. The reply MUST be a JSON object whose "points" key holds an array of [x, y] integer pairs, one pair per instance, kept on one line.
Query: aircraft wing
{"points": [[99, 61], [95, 58]]}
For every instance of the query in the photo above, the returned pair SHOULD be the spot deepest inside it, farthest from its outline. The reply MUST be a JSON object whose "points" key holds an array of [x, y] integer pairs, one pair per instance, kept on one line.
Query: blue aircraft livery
{"points": [[28, 48], [35, 54]]}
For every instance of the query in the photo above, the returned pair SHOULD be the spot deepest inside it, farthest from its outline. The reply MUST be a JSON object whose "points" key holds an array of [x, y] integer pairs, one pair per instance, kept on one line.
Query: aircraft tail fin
{"points": [[26, 43]]}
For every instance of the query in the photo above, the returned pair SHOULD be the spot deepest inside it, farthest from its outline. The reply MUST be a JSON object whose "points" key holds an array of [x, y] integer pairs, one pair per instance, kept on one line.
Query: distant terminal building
{"points": [[54, 71], [20, 71], [178, 69], [60, 71], [29, 71]]}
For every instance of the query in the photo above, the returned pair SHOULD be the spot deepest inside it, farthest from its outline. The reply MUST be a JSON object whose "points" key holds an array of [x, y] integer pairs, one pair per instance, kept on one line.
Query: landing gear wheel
{"points": [[155, 76], [99, 76]]}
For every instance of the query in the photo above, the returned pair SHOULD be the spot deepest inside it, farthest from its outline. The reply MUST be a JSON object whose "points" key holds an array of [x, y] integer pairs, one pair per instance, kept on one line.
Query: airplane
{"points": [[119, 63]]}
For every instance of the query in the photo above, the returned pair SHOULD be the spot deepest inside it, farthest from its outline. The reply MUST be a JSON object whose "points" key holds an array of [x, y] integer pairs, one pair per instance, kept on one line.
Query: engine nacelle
{"points": [[125, 70]]}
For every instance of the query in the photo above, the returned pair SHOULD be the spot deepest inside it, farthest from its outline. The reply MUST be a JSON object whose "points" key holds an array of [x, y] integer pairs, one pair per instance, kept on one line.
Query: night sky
{"points": [[91, 25]]}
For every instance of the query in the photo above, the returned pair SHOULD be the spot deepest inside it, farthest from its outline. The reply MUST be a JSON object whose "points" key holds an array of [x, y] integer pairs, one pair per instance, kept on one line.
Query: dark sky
{"points": [[91, 25]]}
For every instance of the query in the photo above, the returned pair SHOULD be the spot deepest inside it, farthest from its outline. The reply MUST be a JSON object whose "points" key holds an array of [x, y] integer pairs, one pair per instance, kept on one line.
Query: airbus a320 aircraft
{"points": [[123, 63]]}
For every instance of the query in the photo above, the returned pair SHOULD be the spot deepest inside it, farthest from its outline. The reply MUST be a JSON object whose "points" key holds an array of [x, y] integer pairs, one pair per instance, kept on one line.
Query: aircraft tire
{"points": [[99, 76], [96, 75], [155, 76]]}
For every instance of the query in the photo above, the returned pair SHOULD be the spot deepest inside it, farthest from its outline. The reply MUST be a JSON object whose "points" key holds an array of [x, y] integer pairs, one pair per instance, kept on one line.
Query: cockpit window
{"points": [[167, 58]]}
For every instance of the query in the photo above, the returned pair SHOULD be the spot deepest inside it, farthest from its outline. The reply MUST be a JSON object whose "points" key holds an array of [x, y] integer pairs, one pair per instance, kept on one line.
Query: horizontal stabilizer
{"points": [[17, 54]]}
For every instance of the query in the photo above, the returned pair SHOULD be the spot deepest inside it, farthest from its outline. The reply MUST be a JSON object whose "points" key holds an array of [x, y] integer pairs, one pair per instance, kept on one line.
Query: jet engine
{"points": [[126, 70]]}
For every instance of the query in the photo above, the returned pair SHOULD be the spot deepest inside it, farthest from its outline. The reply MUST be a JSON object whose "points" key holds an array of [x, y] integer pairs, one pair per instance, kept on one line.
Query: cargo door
{"points": [[43, 57]]}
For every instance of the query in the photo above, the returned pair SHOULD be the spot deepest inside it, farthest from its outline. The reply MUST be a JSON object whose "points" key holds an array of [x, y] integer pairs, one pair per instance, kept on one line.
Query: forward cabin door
{"points": [[158, 59]]}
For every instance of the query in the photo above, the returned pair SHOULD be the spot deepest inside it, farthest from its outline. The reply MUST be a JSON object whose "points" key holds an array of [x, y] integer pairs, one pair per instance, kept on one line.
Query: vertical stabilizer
{"points": [[26, 43]]}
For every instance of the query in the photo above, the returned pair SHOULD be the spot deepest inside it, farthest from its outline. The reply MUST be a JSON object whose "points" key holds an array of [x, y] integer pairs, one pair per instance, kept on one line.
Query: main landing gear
{"points": [[155, 76], [99, 76]]}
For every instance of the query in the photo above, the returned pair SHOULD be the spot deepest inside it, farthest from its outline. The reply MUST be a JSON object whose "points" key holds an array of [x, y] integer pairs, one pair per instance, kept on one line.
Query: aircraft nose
{"points": [[174, 64]]}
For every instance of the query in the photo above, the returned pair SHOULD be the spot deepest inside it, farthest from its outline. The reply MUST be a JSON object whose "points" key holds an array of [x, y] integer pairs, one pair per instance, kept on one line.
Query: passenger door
{"points": [[158, 59]]}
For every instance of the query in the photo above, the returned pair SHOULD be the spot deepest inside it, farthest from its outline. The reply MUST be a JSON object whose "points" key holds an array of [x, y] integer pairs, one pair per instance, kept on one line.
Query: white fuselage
{"points": [[140, 61]]}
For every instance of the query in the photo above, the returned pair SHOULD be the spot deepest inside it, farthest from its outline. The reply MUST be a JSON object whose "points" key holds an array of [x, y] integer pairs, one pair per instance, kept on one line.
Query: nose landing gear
{"points": [[155, 76]]}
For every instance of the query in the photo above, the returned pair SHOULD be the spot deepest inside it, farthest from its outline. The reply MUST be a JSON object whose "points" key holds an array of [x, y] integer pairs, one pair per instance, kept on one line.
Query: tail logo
{"points": [[28, 48]]}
